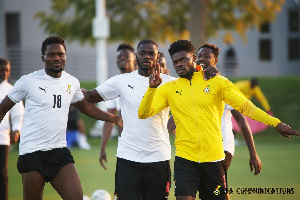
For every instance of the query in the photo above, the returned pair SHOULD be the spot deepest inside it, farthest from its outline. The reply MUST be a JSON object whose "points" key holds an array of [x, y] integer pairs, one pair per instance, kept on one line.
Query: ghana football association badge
{"points": [[69, 89]]}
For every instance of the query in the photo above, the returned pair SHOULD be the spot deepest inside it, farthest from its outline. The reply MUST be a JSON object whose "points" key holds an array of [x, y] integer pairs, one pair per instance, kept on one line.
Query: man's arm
{"points": [[5, 105], [16, 116], [262, 99], [92, 95], [107, 129], [247, 134], [94, 112], [171, 126], [233, 97]]}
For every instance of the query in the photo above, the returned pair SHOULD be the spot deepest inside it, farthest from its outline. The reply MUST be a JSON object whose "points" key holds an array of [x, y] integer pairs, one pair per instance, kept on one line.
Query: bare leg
{"points": [[33, 185], [67, 183]]}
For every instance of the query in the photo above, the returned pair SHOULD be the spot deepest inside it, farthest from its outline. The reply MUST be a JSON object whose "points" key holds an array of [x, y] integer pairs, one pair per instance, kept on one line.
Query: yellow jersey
{"points": [[197, 107]]}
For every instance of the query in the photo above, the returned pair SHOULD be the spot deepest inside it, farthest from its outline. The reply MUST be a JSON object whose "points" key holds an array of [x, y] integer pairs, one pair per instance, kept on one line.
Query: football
{"points": [[100, 195]]}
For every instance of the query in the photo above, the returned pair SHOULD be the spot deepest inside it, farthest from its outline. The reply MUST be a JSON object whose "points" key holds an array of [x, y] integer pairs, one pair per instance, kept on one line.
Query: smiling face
{"points": [[125, 60], [206, 57], [146, 56], [184, 64], [54, 59]]}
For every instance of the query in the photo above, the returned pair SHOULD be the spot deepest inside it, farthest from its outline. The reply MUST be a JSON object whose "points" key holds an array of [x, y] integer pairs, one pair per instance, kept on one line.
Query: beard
{"points": [[189, 73], [56, 70]]}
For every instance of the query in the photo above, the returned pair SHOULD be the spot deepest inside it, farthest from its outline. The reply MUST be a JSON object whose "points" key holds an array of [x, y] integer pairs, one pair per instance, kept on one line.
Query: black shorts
{"points": [[48, 163], [208, 178], [142, 180]]}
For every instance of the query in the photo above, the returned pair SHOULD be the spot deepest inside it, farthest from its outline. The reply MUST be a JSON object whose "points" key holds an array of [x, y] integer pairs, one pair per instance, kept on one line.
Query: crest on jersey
{"points": [[206, 89], [69, 89]]}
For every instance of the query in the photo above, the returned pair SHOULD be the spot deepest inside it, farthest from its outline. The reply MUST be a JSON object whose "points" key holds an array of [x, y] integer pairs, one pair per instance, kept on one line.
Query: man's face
{"points": [[146, 56], [4, 72], [163, 65], [184, 63], [125, 61], [205, 56], [54, 58]]}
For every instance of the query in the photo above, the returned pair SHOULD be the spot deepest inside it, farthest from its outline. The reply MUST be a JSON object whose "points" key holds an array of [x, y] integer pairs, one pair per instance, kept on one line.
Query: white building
{"points": [[274, 51]]}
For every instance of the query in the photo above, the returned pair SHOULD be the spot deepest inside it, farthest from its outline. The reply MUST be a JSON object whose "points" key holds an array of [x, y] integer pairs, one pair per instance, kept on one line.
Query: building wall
{"points": [[81, 60]]}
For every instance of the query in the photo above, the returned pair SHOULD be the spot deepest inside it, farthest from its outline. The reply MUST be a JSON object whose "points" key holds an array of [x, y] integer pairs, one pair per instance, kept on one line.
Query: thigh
{"points": [[128, 182], [4, 149], [186, 178], [213, 181], [156, 180], [67, 183], [228, 159], [33, 185]]}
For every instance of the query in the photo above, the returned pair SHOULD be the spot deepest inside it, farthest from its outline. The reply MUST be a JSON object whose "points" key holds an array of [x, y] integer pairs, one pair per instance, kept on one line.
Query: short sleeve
{"points": [[109, 89], [78, 95], [19, 91]]}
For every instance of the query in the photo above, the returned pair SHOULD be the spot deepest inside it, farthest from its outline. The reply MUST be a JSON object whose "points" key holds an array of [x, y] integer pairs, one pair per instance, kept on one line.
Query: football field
{"points": [[280, 171]]}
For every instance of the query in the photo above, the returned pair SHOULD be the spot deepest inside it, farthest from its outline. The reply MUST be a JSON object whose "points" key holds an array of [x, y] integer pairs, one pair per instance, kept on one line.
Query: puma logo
{"points": [[44, 89], [179, 92], [130, 86]]}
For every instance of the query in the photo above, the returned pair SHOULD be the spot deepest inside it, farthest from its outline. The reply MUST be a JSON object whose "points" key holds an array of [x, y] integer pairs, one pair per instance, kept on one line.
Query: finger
{"points": [[158, 68], [102, 164], [251, 168], [257, 170]]}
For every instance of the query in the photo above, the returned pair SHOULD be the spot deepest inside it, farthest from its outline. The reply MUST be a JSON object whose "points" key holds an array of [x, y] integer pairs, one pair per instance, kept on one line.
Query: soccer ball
{"points": [[100, 195]]}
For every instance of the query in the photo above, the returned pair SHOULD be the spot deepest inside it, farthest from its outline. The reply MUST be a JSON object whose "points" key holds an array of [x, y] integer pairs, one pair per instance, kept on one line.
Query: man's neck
{"points": [[145, 73]]}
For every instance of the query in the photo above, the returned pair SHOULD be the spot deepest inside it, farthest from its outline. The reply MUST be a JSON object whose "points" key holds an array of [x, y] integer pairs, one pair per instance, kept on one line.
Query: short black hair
{"points": [[213, 47], [53, 39], [147, 41], [4, 61], [161, 54], [124, 46], [254, 82], [181, 45]]}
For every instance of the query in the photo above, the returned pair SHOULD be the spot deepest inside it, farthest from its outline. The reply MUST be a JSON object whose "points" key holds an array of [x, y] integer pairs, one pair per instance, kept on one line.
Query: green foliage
{"points": [[162, 20]]}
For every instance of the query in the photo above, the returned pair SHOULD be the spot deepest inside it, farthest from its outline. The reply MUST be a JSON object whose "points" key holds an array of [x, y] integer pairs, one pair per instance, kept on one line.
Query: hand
{"points": [[286, 130], [155, 79], [210, 72], [119, 121], [255, 163], [14, 136], [102, 158]]}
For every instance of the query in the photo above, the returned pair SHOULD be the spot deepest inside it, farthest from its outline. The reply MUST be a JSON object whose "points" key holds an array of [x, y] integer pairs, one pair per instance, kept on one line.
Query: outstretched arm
{"points": [[94, 112], [247, 134], [91, 95]]}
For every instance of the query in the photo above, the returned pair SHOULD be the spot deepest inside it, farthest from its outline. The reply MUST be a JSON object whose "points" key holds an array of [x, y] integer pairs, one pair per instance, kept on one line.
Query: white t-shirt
{"points": [[226, 125], [47, 102], [113, 104], [142, 140], [16, 114]]}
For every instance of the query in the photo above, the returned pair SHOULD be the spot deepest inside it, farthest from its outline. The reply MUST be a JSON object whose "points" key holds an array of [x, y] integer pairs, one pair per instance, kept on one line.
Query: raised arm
{"points": [[247, 134]]}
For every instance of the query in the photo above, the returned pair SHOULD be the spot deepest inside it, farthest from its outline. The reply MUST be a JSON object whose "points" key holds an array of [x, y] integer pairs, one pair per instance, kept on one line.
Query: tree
{"points": [[162, 20]]}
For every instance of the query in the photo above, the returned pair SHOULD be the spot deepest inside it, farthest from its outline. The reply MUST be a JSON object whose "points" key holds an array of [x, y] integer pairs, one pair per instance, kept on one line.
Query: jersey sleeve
{"points": [[19, 91], [261, 98], [16, 115], [238, 101], [153, 102], [78, 95], [109, 89]]}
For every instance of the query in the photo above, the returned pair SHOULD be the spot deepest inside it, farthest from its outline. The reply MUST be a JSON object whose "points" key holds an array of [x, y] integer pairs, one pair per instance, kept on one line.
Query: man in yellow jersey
{"points": [[250, 88], [197, 106]]}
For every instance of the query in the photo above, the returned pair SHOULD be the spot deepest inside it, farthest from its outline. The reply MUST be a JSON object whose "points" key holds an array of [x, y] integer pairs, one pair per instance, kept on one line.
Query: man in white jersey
{"points": [[144, 151], [48, 94], [126, 63], [8, 134]]}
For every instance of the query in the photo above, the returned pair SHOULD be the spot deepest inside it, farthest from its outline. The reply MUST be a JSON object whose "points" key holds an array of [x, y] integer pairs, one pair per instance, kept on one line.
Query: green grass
{"points": [[279, 155]]}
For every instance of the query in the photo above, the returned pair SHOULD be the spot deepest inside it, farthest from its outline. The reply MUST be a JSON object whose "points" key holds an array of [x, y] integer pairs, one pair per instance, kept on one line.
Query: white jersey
{"points": [[47, 102], [113, 104], [15, 114], [226, 125], [142, 140]]}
